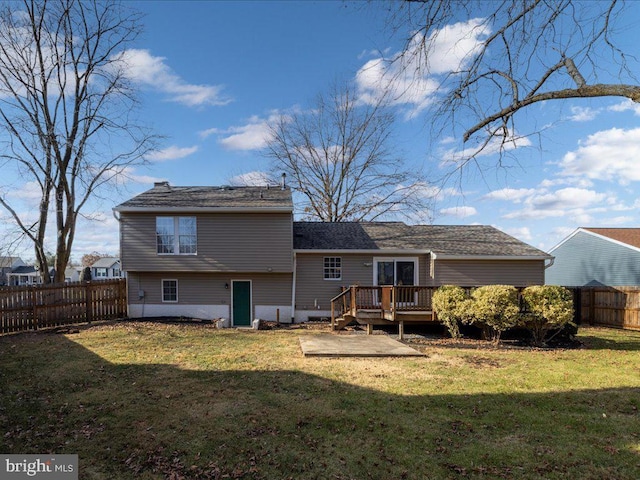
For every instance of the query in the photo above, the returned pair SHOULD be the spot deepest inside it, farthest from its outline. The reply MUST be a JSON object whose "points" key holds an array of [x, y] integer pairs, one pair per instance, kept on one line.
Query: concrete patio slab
{"points": [[355, 346]]}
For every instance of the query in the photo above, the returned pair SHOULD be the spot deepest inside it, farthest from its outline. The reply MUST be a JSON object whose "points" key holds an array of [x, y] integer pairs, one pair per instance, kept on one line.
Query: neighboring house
{"points": [[597, 256], [73, 274], [105, 268], [7, 265], [235, 252], [26, 275]]}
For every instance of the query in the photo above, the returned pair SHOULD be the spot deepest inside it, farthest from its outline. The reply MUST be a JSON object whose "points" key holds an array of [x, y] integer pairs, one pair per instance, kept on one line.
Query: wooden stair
{"points": [[343, 321]]}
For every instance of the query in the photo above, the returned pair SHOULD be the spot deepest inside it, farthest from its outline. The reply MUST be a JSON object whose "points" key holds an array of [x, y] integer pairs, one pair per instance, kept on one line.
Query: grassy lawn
{"points": [[145, 400]]}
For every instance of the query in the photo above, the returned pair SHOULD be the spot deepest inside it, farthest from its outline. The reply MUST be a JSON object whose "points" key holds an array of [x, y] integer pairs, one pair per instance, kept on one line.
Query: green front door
{"points": [[241, 303]]}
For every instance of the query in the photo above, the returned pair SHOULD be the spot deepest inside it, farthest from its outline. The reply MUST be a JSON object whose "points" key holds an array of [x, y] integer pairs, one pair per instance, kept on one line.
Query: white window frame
{"points": [[176, 235], [101, 272], [415, 260], [162, 290], [333, 268]]}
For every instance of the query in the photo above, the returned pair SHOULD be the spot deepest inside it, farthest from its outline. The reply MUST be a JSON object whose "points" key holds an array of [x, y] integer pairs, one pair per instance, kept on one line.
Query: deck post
{"points": [[333, 316], [401, 330], [369, 328]]}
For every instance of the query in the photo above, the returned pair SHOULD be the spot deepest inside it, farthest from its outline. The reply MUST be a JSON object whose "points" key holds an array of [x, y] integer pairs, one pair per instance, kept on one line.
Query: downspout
{"points": [[552, 260], [293, 289], [122, 270], [432, 264]]}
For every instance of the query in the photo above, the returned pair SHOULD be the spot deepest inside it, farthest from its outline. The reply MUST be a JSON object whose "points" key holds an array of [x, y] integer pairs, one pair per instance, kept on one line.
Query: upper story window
{"points": [[176, 235], [101, 272], [332, 268]]}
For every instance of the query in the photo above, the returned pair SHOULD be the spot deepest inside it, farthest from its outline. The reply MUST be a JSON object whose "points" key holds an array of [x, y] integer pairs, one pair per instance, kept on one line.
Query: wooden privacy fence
{"points": [[617, 307], [39, 306]]}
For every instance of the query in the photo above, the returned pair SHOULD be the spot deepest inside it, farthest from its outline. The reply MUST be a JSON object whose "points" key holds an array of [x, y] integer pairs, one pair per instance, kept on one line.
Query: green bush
{"points": [[495, 308], [450, 303], [548, 307]]}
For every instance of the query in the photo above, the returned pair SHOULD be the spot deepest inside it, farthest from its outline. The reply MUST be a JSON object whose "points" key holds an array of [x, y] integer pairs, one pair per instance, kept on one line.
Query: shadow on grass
{"points": [[160, 421]]}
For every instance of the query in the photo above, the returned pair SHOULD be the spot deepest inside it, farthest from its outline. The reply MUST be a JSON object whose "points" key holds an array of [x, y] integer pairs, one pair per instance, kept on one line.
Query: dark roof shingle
{"points": [[166, 196], [445, 240]]}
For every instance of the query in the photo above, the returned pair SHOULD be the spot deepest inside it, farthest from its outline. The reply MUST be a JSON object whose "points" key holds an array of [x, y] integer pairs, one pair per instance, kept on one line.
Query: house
{"points": [[105, 268], [73, 274], [7, 265], [236, 253], [597, 256], [26, 275]]}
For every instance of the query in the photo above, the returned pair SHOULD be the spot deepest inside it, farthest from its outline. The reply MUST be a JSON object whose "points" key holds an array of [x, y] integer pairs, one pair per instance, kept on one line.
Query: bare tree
{"points": [[339, 156], [89, 259], [523, 52], [66, 123]]}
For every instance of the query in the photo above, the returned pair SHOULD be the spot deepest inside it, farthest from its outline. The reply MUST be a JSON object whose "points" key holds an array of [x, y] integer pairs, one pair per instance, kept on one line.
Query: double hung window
{"points": [[176, 236]]}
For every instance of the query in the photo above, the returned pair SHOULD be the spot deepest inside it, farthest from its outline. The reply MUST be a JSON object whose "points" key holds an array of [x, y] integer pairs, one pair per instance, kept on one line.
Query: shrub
{"points": [[548, 307], [450, 304], [495, 308]]}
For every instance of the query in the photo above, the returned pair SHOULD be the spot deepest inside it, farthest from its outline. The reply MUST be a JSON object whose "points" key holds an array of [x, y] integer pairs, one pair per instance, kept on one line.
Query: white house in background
{"points": [[73, 274], [7, 264], [26, 275], [106, 267]]}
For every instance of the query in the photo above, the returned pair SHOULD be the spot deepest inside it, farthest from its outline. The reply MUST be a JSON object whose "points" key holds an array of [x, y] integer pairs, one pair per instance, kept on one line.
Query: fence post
{"points": [[34, 308], [87, 299]]}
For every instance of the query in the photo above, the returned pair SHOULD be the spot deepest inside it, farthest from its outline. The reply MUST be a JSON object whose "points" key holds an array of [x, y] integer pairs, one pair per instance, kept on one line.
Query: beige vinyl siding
{"points": [[487, 272], [313, 291], [209, 288], [227, 242]]}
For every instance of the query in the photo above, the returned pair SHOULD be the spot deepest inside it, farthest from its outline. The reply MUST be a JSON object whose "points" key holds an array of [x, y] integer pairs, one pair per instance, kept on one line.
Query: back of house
{"points": [[236, 253]]}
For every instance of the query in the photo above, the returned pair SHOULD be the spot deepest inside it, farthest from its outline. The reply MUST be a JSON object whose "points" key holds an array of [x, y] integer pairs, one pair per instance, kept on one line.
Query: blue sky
{"points": [[212, 75]]}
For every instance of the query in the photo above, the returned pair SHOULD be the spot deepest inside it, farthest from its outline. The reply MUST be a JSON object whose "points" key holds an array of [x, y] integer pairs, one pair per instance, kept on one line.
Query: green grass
{"points": [[144, 400]]}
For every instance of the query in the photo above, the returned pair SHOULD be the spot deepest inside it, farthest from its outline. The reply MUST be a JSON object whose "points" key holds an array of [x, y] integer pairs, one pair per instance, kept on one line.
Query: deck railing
{"points": [[387, 299]]}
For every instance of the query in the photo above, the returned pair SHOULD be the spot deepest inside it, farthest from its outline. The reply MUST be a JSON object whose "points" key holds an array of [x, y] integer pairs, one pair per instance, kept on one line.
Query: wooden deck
{"points": [[382, 305]]}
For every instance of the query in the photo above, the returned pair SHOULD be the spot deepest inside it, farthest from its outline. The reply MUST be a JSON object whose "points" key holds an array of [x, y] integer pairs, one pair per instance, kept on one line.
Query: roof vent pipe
{"points": [[284, 181]]}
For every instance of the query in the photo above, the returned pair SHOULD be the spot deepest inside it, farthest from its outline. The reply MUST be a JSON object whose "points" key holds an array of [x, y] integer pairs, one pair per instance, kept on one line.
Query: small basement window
{"points": [[170, 291]]}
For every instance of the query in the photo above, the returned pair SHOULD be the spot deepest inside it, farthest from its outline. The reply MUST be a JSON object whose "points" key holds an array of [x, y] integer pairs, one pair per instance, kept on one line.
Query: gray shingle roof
{"points": [[164, 196], [444, 240], [105, 262]]}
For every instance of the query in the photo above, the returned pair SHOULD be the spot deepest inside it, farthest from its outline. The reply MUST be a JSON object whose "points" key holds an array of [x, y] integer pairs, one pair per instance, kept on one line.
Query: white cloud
{"points": [[255, 179], [128, 174], [626, 105], [575, 203], [523, 233], [146, 69], [411, 78], [610, 155], [494, 146], [566, 198], [171, 153], [252, 136], [460, 212], [582, 114], [30, 193], [510, 194]]}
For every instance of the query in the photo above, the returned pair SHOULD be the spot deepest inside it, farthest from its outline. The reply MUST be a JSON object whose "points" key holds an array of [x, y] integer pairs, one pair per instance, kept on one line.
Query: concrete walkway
{"points": [[354, 346]]}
